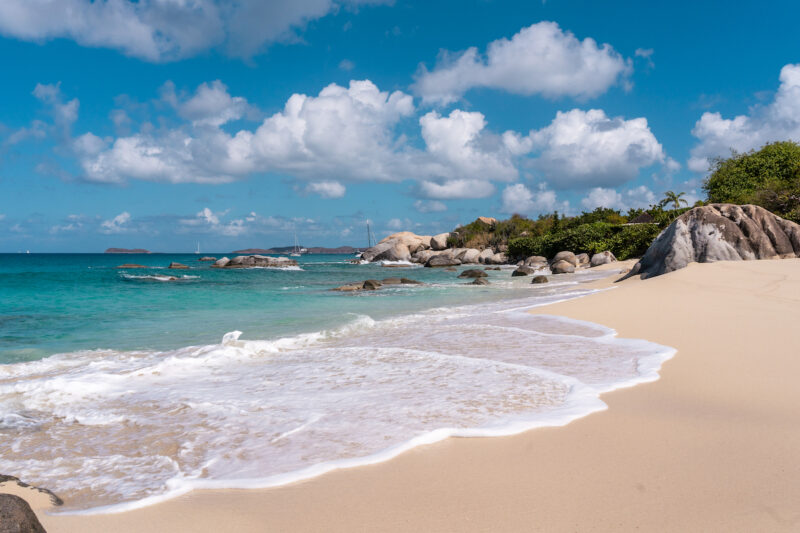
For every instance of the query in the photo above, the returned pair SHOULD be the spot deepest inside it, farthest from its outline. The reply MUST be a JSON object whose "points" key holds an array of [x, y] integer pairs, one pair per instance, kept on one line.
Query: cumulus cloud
{"points": [[456, 189], [585, 148], [208, 221], [777, 121], [164, 30], [638, 197], [426, 206], [326, 189], [118, 224], [211, 104], [518, 198], [540, 59]]}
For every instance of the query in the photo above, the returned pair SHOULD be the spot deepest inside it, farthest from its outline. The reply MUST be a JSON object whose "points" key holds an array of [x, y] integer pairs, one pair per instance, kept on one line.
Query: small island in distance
{"points": [[126, 251]]}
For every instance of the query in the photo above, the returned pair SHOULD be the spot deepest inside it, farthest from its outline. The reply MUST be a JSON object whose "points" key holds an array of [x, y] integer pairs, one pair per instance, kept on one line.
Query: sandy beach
{"points": [[711, 446]]}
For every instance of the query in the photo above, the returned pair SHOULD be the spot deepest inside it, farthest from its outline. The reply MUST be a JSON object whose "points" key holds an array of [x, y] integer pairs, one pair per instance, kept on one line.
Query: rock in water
{"points": [[439, 242], [539, 279], [523, 271], [131, 265], [569, 257], [442, 260], [175, 265], [207, 258], [480, 281], [536, 261], [485, 256], [603, 258], [719, 232], [562, 267], [473, 273], [16, 516], [371, 285]]}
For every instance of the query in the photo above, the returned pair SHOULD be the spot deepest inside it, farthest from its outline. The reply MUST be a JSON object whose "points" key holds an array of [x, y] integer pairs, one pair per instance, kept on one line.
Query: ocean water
{"points": [[119, 388]]}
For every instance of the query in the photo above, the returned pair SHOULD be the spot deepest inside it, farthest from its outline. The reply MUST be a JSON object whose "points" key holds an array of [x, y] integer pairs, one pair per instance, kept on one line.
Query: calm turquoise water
{"points": [[54, 303]]}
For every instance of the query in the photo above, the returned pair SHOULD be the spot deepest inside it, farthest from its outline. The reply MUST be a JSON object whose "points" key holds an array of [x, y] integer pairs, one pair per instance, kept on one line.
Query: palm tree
{"points": [[671, 197]]}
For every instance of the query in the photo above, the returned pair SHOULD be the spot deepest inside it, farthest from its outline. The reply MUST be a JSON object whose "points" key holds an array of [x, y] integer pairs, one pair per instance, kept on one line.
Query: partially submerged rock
{"points": [[523, 271], [473, 273], [562, 267], [254, 261], [443, 260], [719, 232], [539, 279], [371, 285], [16, 516], [177, 266], [131, 265], [569, 257], [374, 284], [479, 281], [207, 258]]}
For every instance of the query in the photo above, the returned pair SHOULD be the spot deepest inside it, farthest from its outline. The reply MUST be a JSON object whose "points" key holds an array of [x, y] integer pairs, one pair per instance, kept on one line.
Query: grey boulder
{"points": [[603, 258], [523, 271], [473, 273], [562, 267], [16, 516], [539, 279], [569, 257]]}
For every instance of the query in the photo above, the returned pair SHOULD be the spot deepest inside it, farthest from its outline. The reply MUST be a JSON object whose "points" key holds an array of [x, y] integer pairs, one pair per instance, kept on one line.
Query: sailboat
{"points": [[296, 251], [197, 251], [370, 240]]}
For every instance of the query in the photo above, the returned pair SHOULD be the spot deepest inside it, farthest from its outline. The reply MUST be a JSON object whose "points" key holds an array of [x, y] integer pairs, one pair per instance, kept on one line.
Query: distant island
{"points": [[289, 249], [126, 251]]}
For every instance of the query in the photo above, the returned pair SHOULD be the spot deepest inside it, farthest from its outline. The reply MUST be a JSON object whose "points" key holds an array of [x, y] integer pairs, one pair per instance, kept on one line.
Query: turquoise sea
{"points": [[121, 387]]}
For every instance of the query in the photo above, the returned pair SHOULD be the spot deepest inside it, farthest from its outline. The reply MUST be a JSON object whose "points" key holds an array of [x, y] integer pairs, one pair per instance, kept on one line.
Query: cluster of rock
{"points": [[374, 284], [254, 261], [430, 251], [719, 232], [562, 263]]}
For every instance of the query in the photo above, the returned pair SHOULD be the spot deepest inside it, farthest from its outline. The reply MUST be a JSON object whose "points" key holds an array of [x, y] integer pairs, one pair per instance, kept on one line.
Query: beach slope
{"points": [[714, 445]]}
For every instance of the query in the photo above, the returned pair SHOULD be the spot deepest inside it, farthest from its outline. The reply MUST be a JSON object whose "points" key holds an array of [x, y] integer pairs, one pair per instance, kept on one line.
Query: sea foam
{"points": [[112, 430]]}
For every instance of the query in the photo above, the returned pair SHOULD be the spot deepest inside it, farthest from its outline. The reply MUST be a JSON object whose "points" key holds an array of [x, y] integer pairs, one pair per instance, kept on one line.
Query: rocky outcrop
{"points": [[207, 258], [603, 258], [16, 516], [177, 266], [539, 279], [374, 284], [479, 281], [536, 260], [397, 247], [719, 232], [489, 221], [499, 258], [439, 242], [485, 256], [371, 285], [469, 256], [254, 261], [523, 271], [473, 273], [569, 257], [562, 267], [131, 265]]}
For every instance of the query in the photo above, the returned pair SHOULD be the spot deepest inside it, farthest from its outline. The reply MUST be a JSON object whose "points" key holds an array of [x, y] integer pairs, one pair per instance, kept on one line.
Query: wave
{"points": [[156, 277], [260, 413]]}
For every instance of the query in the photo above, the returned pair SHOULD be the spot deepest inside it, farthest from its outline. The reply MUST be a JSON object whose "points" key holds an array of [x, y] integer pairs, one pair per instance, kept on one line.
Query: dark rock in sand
{"points": [[473, 273], [207, 258], [175, 265], [719, 232], [539, 279], [371, 285], [131, 265], [480, 281], [16, 516], [523, 271], [55, 500]]}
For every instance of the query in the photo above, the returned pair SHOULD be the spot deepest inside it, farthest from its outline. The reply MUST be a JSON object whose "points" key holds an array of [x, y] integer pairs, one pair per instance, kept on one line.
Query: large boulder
{"points": [[473, 273], [479, 281], [371, 285], [562, 267], [252, 261], [536, 260], [569, 257], [439, 242], [442, 260], [179, 266], [539, 279], [719, 232], [499, 258], [397, 247], [208, 258], [523, 271], [222, 263], [489, 221], [485, 256], [603, 258], [470, 256], [583, 259], [16, 516]]}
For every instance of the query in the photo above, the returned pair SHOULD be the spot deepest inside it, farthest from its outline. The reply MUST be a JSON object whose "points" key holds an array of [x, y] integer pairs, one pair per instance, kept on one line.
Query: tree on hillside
{"points": [[676, 199], [769, 177]]}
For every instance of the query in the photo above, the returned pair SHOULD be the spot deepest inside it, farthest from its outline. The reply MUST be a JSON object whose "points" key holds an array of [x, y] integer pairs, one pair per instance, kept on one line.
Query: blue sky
{"points": [[160, 123]]}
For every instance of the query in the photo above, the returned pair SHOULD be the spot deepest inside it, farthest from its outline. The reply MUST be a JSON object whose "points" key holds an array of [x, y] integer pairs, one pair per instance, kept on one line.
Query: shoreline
{"points": [[660, 457]]}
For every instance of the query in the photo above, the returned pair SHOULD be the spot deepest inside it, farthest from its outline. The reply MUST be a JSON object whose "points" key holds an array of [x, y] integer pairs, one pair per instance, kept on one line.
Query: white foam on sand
{"points": [[128, 429]]}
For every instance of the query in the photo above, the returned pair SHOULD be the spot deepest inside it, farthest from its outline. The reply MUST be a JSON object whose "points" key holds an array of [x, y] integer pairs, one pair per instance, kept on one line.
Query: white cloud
{"points": [[395, 224], [647, 55], [211, 104], [64, 113], [585, 148], [540, 59], [518, 198], [118, 224], [638, 197], [326, 189], [211, 222], [777, 121], [164, 30], [346, 65], [456, 189], [429, 206]]}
